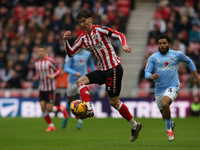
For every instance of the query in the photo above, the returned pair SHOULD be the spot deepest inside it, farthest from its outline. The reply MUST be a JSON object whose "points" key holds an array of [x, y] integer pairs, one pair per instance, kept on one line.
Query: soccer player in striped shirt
{"points": [[46, 71], [162, 67], [96, 40]]}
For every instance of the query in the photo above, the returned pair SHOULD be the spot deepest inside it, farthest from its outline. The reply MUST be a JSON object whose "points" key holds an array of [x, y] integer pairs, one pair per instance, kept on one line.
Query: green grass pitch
{"points": [[97, 134]]}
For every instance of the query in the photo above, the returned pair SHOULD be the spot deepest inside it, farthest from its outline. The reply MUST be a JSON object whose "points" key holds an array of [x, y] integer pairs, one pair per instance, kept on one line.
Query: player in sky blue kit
{"points": [[162, 67], [76, 67]]}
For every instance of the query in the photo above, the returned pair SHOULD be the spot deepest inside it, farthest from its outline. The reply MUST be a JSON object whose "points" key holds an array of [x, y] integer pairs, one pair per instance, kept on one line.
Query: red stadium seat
{"points": [[125, 10], [41, 11], [124, 3], [29, 13]]}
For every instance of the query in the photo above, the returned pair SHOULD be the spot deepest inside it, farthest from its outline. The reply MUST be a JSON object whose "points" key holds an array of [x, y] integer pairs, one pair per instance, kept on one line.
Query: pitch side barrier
{"points": [[12, 106]]}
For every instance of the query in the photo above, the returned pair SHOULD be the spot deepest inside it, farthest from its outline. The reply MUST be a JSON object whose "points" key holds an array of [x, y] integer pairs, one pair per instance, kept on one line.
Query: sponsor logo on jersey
{"points": [[166, 68], [97, 45]]}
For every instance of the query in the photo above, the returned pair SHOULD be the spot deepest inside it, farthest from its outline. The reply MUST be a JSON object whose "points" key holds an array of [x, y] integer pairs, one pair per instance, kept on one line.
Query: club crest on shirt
{"points": [[171, 59], [95, 36]]}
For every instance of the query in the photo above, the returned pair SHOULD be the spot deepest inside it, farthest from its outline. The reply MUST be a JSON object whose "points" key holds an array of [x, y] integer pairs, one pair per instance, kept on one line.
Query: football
{"points": [[78, 108]]}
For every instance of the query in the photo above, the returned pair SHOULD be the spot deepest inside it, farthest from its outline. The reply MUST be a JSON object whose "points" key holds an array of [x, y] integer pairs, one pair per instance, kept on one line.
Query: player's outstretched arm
{"points": [[126, 48]]}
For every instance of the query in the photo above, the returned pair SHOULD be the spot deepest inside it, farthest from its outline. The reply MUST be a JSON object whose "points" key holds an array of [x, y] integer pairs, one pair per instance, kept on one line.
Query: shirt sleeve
{"points": [[183, 58], [67, 66], [149, 68], [114, 34], [71, 51]]}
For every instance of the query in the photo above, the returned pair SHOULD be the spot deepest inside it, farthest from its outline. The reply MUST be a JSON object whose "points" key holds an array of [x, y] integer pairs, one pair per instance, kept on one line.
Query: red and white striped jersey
{"points": [[43, 68], [97, 41]]}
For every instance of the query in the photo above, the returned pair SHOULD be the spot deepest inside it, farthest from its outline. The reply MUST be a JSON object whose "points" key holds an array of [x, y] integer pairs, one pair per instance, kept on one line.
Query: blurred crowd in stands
{"points": [[180, 20], [25, 24]]}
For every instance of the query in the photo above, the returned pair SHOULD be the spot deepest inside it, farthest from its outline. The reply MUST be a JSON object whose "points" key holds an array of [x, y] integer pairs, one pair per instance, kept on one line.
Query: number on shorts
{"points": [[170, 90]]}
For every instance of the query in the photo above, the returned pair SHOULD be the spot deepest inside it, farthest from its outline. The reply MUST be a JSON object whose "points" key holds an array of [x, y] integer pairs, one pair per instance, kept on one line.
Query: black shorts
{"points": [[112, 78], [47, 96]]}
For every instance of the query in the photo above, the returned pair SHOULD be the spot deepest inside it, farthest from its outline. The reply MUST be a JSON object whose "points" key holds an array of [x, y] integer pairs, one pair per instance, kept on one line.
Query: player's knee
{"points": [[113, 104], [78, 82], [49, 109], [43, 108], [165, 105]]}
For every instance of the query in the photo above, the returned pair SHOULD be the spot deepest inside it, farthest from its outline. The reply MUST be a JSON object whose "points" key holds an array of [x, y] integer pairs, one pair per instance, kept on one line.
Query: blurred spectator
{"points": [[12, 55], [50, 52], [37, 18], [184, 24], [75, 8], [2, 55], [98, 8], [190, 53], [155, 32], [60, 9], [14, 82], [159, 22], [194, 35], [6, 73], [196, 18], [195, 106], [34, 55], [163, 9], [187, 9], [179, 46], [152, 47], [30, 71]]}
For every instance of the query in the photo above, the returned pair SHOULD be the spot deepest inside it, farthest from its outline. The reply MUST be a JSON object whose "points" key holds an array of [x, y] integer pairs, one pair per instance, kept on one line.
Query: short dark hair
{"points": [[41, 46], [163, 36], [85, 13]]}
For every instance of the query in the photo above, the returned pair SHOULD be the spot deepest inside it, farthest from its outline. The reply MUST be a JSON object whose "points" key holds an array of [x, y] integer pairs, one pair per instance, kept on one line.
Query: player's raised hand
{"points": [[154, 76], [126, 48], [66, 34]]}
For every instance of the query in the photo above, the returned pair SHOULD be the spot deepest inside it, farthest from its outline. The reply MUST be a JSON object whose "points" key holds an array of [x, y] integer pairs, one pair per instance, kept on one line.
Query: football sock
{"points": [[80, 121], [89, 105], [68, 107], [168, 124], [84, 93], [56, 108], [133, 124], [123, 110], [47, 118]]}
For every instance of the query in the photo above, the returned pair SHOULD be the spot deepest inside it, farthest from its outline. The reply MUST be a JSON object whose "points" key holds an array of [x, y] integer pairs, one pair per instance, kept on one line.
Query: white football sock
{"points": [[51, 125], [89, 105], [133, 124]]}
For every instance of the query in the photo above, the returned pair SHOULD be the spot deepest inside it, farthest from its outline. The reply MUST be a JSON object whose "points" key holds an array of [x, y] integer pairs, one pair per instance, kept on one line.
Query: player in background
{"points": [[162, 67], [46, 71], [96, 40], [76, 67]]}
